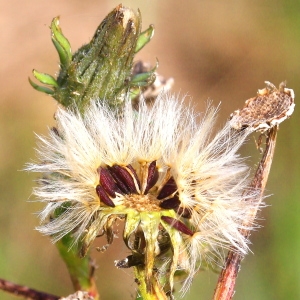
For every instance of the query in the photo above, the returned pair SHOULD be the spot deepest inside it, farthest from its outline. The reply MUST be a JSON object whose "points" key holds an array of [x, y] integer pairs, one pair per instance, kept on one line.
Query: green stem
{"points": [[81, 270], [154, 292]]}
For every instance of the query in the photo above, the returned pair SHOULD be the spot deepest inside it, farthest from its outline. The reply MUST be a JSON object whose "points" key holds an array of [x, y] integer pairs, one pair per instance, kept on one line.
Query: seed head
{"points": [[178, 187]]}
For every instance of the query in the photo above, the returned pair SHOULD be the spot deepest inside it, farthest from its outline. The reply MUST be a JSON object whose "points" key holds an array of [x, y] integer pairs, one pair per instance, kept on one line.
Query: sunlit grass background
{"points": [[223, 50]]}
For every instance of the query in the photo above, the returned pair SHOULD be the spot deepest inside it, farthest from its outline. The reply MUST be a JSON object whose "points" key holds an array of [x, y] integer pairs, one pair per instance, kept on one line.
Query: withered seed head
{"points": [[148, 169]]}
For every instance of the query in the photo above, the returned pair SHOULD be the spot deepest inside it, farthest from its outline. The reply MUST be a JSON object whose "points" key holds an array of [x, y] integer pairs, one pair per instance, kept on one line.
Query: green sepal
{"points": [[133, 220], [134, 92], [61, 44], [144, 38], [40, 88], [143, 79], [45, 78], [176, 241], [91, 233], [150, 226]]}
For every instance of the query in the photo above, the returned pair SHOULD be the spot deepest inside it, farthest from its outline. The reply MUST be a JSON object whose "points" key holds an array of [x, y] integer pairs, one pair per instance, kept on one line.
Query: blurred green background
{"points": [[223, 50]]}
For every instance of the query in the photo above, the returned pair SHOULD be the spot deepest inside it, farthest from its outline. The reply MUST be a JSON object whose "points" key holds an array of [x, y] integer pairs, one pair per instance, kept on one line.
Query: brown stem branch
{"points": [[24, 291], [228, 276]]}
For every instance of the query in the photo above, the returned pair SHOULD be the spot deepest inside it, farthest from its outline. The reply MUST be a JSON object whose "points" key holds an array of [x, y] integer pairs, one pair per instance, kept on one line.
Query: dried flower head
{"points": [[178, 187]]}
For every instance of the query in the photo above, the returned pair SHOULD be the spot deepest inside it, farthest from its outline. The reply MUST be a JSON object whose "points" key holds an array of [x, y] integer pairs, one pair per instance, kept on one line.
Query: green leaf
{"points": [[45, 78], [61, 43], [143, 79], [39, 88], [144, 38]]}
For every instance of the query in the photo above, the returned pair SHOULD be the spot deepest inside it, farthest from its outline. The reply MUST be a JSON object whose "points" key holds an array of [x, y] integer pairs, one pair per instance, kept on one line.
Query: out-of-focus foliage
{"points": [[223, 50]]}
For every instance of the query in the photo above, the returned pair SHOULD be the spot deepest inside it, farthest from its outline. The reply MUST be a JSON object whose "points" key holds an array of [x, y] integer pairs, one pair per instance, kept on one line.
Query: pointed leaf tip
{"points": [[61, 43], [45, 78], [144, 38], [40, 88]]}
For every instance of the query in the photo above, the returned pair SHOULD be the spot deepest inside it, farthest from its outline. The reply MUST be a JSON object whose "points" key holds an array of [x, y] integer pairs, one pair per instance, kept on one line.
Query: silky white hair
{"points": [[212, 179]]}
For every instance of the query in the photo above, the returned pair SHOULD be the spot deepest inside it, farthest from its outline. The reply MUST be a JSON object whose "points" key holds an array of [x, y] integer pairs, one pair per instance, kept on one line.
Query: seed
{"points": [[177, 225], [172, 203], [103, 196], [168, 189], [126, 177], [119, 180], [108, 183], [152, 176]]}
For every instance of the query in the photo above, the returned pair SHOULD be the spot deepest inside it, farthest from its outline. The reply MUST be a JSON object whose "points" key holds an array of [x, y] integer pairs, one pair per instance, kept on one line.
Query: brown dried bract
{"points": [[80, 295], [269, 108]]}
